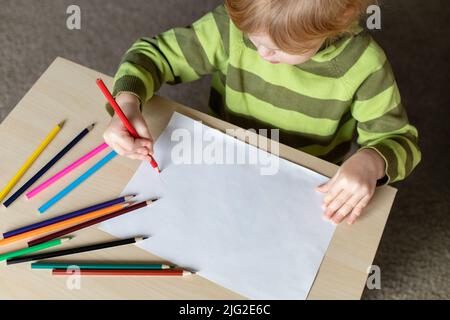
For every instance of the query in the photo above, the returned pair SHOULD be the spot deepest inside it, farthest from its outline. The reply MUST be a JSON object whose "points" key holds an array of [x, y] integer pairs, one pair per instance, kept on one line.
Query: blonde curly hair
{"points": [[296, 26]]}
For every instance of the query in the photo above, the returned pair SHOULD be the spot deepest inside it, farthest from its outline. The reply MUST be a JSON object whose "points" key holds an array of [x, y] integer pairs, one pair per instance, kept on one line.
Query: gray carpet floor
{"points": [[414, 254]]}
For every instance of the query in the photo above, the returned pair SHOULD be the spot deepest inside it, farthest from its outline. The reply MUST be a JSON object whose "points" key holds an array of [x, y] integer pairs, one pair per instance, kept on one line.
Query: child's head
{"points": [[292, 31]]}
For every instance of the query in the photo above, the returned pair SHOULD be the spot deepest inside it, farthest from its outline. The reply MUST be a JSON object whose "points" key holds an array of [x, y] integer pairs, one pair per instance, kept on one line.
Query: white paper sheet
{"points": [[261, 236]]}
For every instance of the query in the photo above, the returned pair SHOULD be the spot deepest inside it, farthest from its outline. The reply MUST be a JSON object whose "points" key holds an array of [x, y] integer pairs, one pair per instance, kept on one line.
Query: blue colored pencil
{"points": [[47, 167], [67, 216], [78, 181]]}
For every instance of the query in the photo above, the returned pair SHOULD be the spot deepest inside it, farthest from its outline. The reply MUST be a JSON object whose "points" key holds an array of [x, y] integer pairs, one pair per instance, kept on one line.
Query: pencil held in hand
{"points": [[123, 118]]}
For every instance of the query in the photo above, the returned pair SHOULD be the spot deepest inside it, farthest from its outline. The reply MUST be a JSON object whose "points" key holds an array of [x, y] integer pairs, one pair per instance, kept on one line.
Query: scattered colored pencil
{"points": [[66, 252], [67, 216], [100, 266], [48, 166], [66, 170], [155, 273], [124, 119], [42, 246], [30, 160], [89, 223], [77, 182], [62, 224]]}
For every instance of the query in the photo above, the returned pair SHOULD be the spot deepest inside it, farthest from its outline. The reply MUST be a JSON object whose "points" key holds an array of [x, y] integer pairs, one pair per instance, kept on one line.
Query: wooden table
{"points": [[68, 91]]}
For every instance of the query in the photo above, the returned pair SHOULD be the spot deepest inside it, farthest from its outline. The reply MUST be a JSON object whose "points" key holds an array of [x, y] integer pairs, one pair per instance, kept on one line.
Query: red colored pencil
{"points": [[102, 272], [122, 117]]}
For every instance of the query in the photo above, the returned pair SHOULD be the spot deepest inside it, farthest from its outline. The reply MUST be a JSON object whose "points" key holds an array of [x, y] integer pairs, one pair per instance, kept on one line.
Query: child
{"points": [[303, 67]]}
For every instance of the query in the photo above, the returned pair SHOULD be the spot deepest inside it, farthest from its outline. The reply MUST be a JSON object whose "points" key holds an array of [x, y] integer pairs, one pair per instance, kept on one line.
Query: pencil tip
{"points": [[152, 200], [131, 196], [91, 127], [187, 273], [66, 239], [61, 124]]}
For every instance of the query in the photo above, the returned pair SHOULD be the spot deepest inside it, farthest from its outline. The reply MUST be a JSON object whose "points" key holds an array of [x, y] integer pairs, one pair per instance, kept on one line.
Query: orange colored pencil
{"points": [[63, 224], [102, 272]]}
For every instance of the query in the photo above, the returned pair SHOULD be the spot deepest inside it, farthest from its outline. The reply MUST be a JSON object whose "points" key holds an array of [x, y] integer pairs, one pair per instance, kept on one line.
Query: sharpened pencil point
{"points": [[152, 200], [61, 124], [128, 198], [91, 127], [66, 239], [137, 239], [165, 266], [187, 273]]}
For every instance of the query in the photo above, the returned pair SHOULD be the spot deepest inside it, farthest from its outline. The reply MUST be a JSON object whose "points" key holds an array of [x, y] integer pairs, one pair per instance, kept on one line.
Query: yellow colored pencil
{"points": [[31, 159]]}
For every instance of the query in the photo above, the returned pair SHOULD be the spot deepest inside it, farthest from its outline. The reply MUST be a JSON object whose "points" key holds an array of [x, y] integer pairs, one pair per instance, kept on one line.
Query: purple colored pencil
{"points": [[66, 216]]}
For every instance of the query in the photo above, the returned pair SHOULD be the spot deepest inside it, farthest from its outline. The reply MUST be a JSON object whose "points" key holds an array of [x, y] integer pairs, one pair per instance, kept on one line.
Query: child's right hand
{"points": [[118, 137]]}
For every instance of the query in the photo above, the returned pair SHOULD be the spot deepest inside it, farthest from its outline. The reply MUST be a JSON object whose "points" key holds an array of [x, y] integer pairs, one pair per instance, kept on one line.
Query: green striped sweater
{"points": [[348, 87]]}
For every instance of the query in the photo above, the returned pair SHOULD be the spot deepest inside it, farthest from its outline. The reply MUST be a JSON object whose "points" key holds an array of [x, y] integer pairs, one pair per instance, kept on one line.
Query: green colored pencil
{"points": [[42, 246], [98, 266]]}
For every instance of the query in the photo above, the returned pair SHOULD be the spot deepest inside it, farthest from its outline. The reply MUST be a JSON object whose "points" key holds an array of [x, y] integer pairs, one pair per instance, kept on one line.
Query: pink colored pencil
{"points": [[66, 170]]}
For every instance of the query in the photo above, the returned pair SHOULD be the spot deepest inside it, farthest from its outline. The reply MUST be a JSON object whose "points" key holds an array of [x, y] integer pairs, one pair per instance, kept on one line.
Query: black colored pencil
{"points": [[47, 167], [66, 252]]}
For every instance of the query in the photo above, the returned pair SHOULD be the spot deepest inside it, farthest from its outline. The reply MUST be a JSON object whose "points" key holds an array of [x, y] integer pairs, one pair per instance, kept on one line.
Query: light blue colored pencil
{"points": [[77, 182]]}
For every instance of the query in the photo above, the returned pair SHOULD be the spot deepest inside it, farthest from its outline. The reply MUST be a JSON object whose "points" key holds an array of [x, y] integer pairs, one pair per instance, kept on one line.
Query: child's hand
{"points": [[353, 186], [118, 137]]}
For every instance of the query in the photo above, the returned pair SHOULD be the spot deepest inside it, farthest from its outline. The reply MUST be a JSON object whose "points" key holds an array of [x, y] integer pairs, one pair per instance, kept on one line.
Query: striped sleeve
{"points": [[382, 124], [178, 55]]}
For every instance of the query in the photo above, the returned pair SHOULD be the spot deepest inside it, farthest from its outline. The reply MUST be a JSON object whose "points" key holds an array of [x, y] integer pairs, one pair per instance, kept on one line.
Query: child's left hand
{"points": [[353, 186]]}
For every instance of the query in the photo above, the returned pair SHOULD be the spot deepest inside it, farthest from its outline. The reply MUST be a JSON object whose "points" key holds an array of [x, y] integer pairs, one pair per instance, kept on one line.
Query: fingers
{"points": [[336, 204], [344, 199], [327, 185], [117, 148], [118, 137], [142, 151], [140, 157], [144, 145], [358, 209], [124, 144], [144, 133], [346, 208], [142, 154], [333, 192]]}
